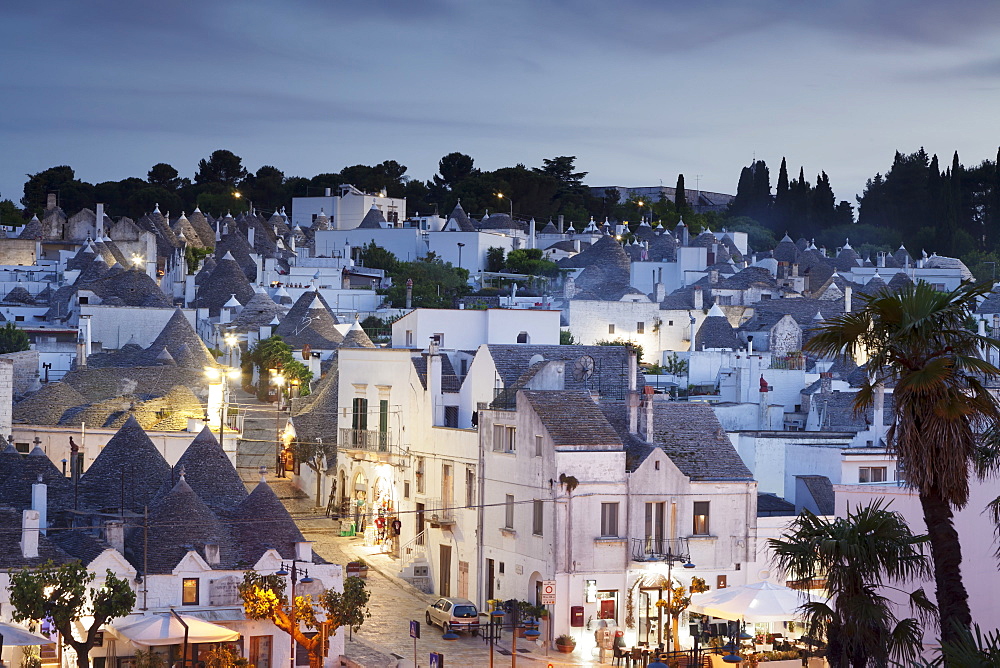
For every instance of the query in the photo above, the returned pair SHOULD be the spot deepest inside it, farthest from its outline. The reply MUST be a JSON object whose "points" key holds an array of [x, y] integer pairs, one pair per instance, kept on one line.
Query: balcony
{"points": [[660, 549], [439, 513], [367, 440]]}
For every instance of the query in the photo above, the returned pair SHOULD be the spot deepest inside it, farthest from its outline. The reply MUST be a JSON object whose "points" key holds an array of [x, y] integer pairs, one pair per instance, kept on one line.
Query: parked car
{"points": [[454, 614]]}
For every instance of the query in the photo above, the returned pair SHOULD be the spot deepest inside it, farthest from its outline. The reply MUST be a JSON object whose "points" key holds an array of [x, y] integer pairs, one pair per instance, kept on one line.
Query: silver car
{"points": [[453, 614]]}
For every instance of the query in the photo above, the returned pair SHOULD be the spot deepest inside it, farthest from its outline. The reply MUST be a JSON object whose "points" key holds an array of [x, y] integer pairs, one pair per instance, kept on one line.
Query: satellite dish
{"points": [[306, 352], [583, 368]]}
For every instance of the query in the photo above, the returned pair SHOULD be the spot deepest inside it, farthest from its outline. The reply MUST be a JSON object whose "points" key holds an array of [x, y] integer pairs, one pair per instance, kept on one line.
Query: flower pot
{"points": [[357, 570], [565, 649]]}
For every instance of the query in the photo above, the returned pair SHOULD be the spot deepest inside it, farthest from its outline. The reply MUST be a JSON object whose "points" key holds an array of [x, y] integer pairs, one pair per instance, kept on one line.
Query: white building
{"points": [[347, 208], [467, 329]]}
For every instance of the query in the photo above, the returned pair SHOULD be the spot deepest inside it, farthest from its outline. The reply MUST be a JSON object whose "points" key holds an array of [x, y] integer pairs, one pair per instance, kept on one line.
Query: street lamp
{"points": [[460, 247], [290, 569], [237, 194], [279, 380], [501, 196], [232, 341], [222, 376], [496, 625]]}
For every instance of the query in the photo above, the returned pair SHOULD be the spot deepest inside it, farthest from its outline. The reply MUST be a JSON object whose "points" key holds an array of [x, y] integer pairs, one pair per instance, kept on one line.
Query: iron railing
{"points": [[439, 511], [660, 549], [369, 440]]}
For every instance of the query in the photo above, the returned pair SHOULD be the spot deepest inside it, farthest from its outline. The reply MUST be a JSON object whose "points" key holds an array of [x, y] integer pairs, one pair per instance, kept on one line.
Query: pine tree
{"points": [[680, 196]]}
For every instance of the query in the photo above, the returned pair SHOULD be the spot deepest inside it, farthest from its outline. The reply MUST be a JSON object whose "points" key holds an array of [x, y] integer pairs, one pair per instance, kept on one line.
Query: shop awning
{"points": [[13, 634], [756, 602], [166, 629]]}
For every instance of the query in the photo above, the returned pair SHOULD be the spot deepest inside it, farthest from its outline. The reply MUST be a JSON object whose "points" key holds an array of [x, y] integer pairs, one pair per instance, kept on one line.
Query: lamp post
{"points": [[222, 377], [460, 247], [290, 569], [501, 196], [496, 625], [671, 559], [279, 381], [231, 341], [238, 195]]}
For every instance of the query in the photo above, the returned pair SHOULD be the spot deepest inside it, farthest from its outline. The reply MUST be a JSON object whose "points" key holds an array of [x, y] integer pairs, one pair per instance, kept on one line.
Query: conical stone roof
{"points": [[210, 473], [177, 336], [129, 462]]}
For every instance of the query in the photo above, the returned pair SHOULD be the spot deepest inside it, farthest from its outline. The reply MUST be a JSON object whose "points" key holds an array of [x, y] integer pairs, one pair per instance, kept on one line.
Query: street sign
{"points": [[437, 660], [548, 592], [414, 629]]}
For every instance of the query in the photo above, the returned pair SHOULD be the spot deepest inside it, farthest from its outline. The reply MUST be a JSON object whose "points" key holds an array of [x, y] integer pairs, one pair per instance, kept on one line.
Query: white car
{"points": [[453, 614]]}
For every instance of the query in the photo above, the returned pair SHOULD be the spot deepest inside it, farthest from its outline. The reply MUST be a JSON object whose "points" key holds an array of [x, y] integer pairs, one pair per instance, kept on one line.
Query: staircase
{"points": [[414, 567]]}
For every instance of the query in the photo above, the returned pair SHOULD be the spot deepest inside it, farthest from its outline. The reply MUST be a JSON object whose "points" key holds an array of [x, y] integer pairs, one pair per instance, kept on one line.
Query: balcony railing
{"points": [[369, 440], [790, 362], [660, 549], [438, 511]]}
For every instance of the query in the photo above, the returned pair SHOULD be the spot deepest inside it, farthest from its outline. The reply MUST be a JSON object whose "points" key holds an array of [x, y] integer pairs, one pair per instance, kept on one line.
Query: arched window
{"points": [[523, 338]]}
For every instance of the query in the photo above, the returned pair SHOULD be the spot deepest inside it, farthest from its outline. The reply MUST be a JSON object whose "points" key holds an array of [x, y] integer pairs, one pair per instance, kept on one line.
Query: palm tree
{"points": [[919, 339], [871, 548]]}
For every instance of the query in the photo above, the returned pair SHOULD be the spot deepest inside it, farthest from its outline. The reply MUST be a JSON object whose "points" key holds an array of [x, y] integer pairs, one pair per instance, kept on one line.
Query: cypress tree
{"points": [[680, 196], [781, 213]]}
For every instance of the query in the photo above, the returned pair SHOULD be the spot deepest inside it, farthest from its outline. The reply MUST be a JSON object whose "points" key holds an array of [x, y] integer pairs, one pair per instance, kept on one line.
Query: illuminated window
{"points": [[189, 592], [700, 518]]}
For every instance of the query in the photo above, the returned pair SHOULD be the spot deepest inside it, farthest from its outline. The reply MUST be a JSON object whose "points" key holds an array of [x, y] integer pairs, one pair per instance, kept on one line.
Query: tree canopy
{"points": [[69, 597]]}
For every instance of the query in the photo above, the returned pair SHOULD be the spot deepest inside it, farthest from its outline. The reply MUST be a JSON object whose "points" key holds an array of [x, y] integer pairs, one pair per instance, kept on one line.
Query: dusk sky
{"points": [[638, 90]]}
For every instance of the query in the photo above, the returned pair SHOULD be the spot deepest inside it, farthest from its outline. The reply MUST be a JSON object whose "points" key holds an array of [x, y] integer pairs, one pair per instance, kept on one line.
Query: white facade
{"points": [[347, 208], [467, 329]]}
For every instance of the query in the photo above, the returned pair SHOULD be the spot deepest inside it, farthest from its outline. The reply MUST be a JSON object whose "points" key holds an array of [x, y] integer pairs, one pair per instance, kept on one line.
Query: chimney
{"points": [[39, 502], [531, 234], [713, 276], [251, 234], [847, 298], [29, 534], [434, 381], [88, 338], [212, 554], [633, 395], [699, 299], [750, 345], [327, 192], [647, 401], [409, 293], [765, 418], [878, 411], [99, 222], [561, 223], [114, 535], [304, 551], [659, 292], [826, 382], [795, 270], [50, 202]]}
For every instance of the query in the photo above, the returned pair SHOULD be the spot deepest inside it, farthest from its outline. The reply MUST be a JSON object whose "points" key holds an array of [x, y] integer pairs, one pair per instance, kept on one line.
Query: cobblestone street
{"points": [[384, 640]]}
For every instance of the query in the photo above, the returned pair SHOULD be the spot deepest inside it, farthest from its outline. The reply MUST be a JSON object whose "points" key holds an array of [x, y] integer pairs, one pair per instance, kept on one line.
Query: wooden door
{"points": [[463, 579], [490, 576], [444, 569]]}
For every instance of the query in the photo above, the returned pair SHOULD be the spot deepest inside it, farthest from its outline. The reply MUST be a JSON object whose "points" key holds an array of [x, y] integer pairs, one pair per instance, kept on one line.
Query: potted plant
{"points": [[565, 644], [357, 568]]}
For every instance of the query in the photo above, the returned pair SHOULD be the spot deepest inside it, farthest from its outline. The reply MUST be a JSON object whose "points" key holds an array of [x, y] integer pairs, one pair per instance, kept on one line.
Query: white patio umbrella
{"points": [[755, 602], [167, 629], [11, 634]]}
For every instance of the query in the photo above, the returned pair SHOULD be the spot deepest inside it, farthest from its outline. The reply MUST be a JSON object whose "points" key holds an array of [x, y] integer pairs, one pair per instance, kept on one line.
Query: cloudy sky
{"points": [[639, 90]]}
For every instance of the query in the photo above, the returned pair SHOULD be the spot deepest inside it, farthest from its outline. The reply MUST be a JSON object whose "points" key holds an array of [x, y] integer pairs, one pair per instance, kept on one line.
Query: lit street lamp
{"points": [[219, 378], [237, 194], [501, 196], [291, 570]]}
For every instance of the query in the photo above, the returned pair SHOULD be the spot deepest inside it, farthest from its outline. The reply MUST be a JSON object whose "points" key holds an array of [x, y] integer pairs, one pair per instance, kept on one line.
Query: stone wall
{"points": [[6, 395], [25, 372], [17, 252]]}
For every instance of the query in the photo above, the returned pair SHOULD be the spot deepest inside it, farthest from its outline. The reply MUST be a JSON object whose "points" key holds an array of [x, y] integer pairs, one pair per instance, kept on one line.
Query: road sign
{"points": [[548, 592], [437, 660], [414, 629]]}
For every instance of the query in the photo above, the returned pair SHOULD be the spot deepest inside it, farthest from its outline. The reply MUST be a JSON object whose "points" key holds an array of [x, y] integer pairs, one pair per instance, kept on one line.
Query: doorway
{"points": [[445, 571], [490, 579], [419, 528]]}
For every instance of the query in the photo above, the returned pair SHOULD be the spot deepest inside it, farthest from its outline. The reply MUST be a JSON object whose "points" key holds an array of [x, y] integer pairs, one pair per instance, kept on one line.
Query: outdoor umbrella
{"points": [[167, 629], [11, 634], [756, 602]]}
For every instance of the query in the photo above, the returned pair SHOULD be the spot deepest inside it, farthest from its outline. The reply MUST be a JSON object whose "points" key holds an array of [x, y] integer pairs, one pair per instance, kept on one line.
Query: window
{"points": [[189, 591], [508, 521], [523, 338], [504, 438], [470, 486], [609, 519], [463, 367], [724, 300], [656, 465], [409, 338], [700, 518], [872, 474], [359, 416], [654, 522], [611, 329], [451, 416], [640, 327], [420, 475], [537, 517], [260, 651], [84, 300], [538, 446], [406, 489], [383, 423], [439, 337], [670, 323]]}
